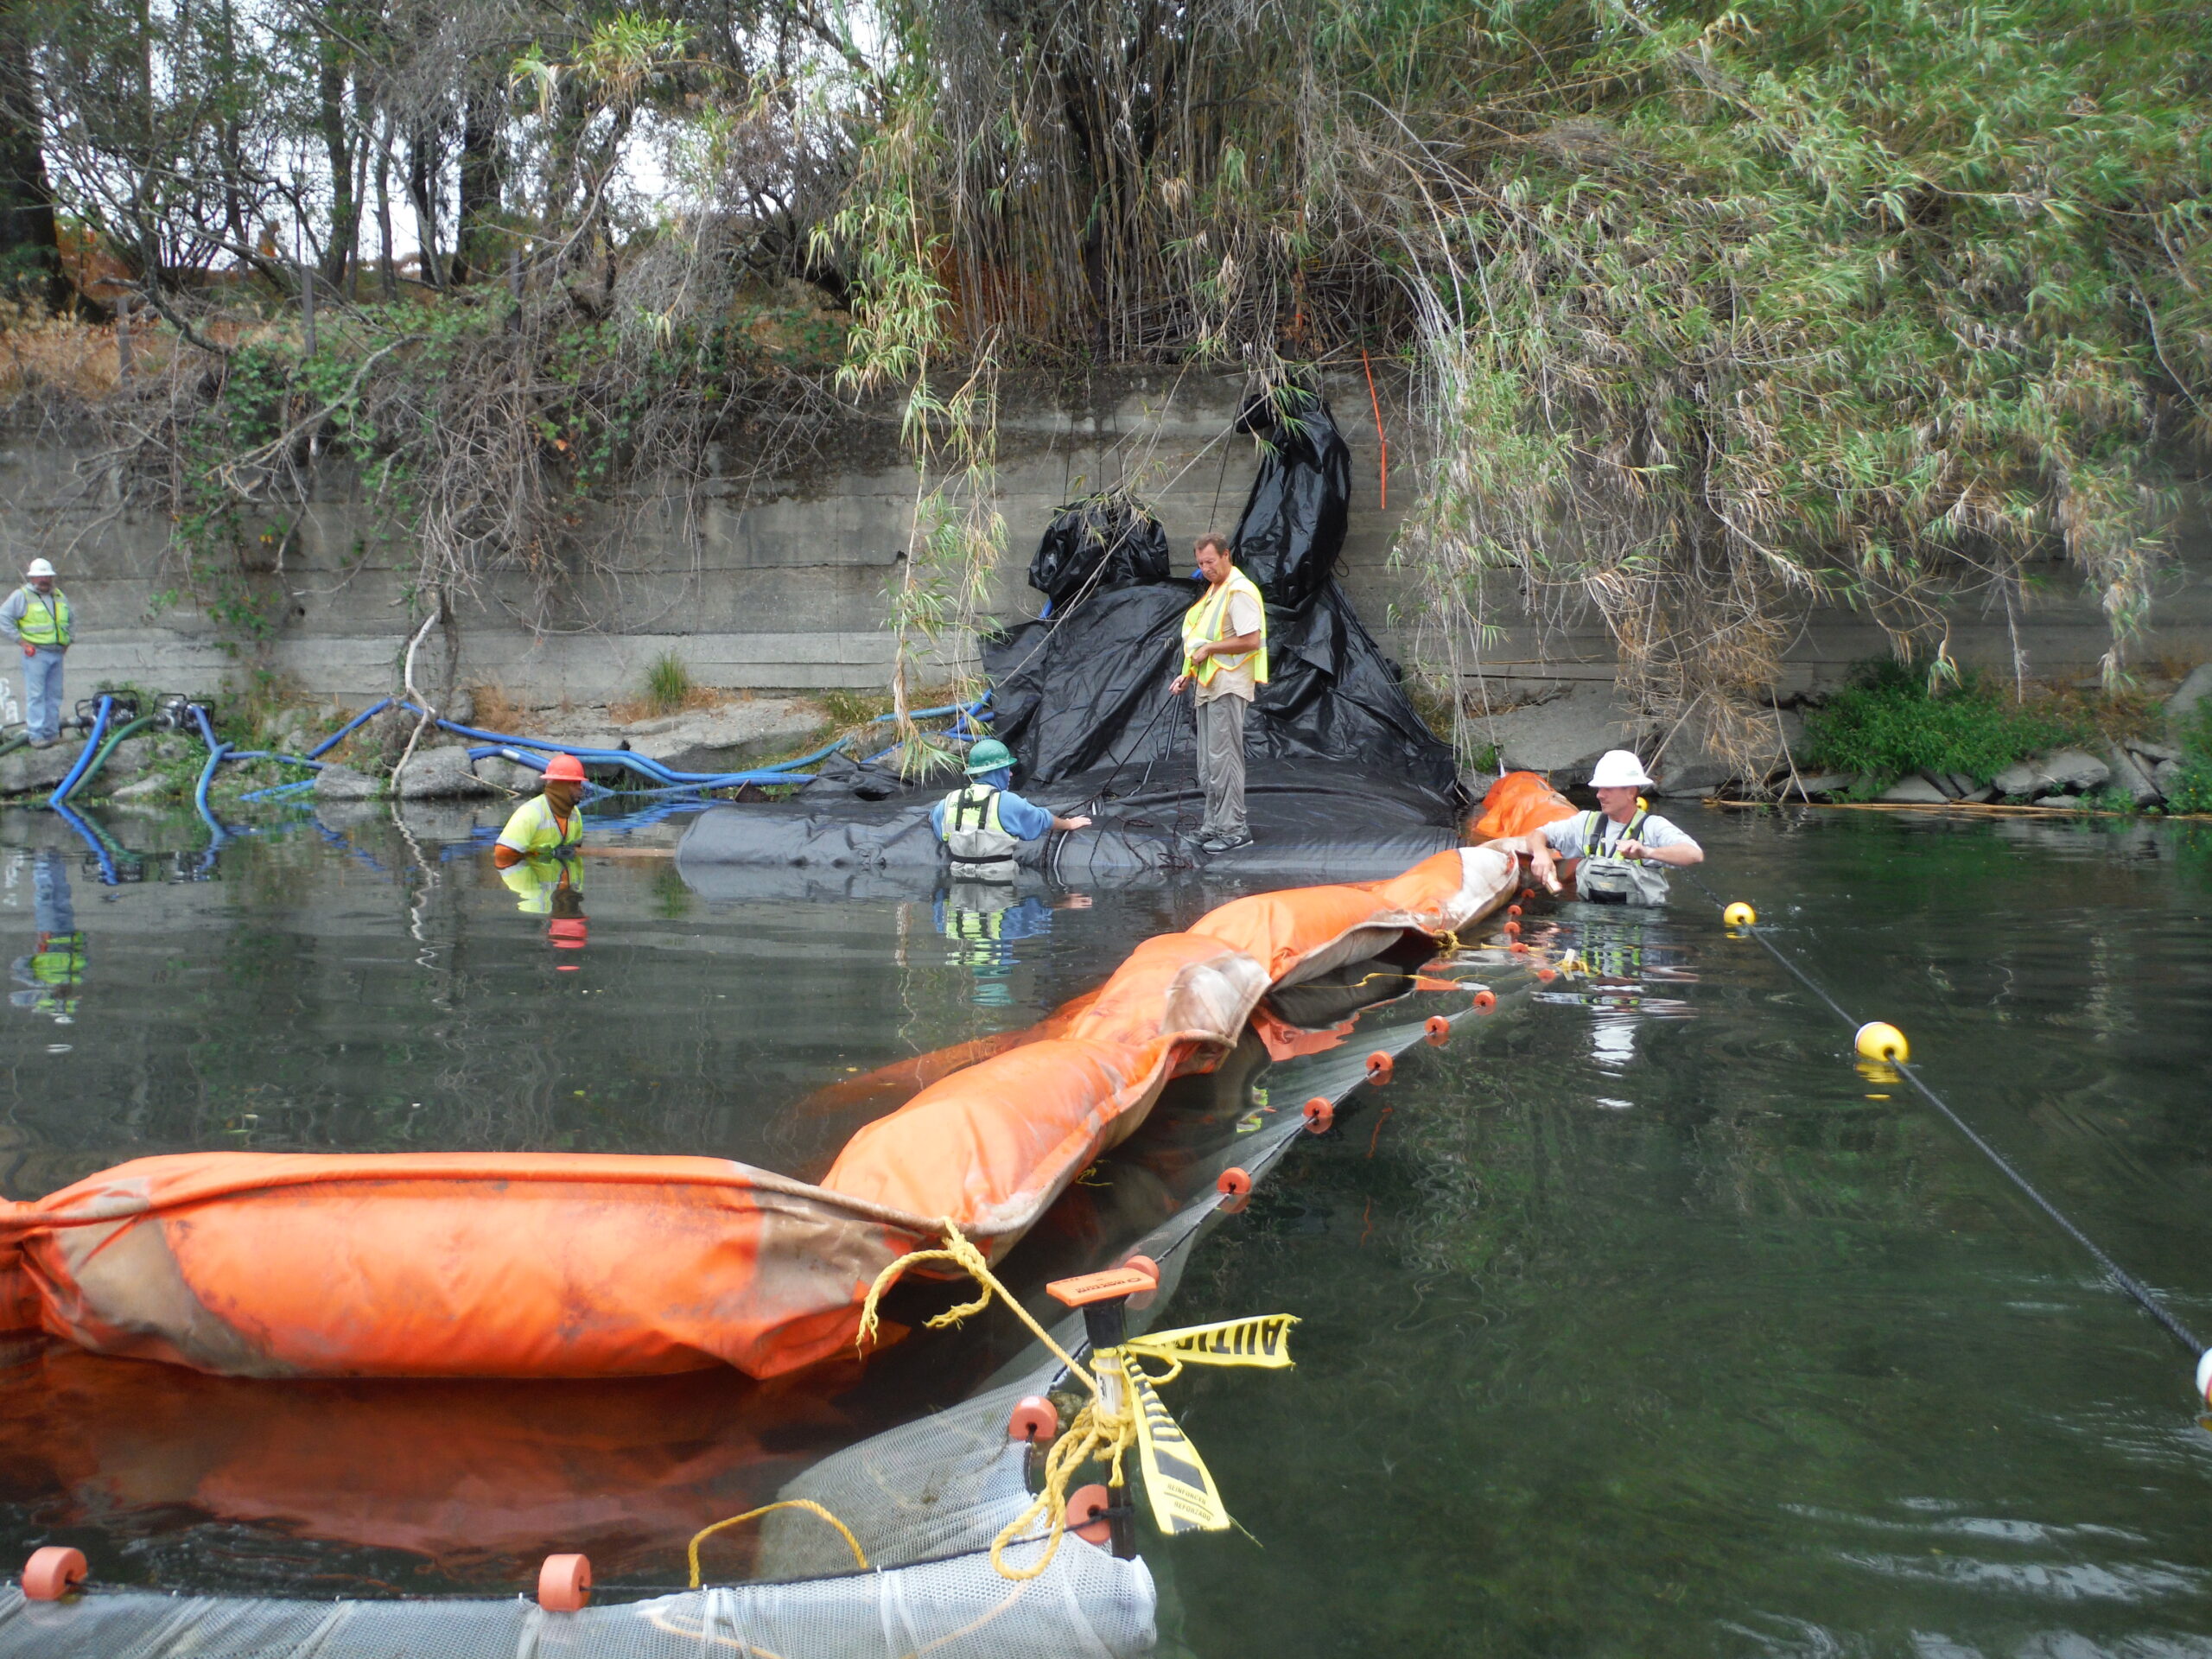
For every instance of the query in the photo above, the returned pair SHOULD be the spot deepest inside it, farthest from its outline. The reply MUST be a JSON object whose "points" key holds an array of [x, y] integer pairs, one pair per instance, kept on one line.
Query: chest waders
{"points": [[981, 848], [1603, 879]]}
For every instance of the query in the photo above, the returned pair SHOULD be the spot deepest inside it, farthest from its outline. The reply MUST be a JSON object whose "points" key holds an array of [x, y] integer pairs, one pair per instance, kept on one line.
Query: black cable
{"points": [[2118, 1275]]}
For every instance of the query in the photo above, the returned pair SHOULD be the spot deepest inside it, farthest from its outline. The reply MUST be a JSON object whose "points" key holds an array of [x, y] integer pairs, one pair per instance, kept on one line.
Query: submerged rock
{"points": [[344, 784], [1913, 790], [441, 774], [28, 769], [2075, 769]]}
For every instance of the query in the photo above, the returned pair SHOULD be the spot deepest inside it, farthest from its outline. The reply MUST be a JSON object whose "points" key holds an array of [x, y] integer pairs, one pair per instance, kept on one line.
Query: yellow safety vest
{"points": [[1208, 619], [46, 620], [534, 831]]}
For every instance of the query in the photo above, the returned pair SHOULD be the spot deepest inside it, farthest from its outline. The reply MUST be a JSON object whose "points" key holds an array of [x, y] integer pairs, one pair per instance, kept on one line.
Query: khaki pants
{"points": [[1221, 766]]}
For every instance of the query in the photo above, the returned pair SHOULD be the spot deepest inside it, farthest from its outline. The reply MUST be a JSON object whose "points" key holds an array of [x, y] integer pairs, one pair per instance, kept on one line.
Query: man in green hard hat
{"points": [[982, 824]]}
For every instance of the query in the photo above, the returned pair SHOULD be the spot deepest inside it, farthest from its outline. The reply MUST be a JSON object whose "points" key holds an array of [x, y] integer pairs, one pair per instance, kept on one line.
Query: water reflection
{"points": [[52, 973]]}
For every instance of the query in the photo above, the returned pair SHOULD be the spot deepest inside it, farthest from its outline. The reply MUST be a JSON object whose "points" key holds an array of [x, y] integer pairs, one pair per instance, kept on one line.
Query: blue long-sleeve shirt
{"points": [[1021, 820]]}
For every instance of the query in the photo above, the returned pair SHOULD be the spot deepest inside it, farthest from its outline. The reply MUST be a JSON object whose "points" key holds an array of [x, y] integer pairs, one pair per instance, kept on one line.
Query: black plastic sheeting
{"points": [[1083, 692], [1097, 544], [859, 835], [1293, 528]]}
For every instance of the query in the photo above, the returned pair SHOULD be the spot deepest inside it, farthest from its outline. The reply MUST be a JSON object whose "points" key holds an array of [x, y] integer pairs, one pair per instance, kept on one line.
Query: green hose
{"points": [[14, 743], [108, 748]]}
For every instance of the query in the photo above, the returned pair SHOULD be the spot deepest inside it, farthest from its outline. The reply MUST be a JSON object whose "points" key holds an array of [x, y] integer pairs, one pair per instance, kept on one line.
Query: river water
{"points": [[1637, 1319]]}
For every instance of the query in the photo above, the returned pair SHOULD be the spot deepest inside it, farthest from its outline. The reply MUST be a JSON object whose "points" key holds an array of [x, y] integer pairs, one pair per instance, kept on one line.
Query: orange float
{"points": [[51, 1573], [1518, 802], [564, 1583]]}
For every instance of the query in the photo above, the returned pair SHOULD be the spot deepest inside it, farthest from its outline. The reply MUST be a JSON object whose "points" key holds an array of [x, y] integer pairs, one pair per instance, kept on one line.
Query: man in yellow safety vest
{"points": [[1226, 655], [547, 826], [36, 617]]}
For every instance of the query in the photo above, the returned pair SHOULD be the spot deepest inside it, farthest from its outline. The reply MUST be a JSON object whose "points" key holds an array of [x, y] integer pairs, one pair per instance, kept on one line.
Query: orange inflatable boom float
{"points": [[560, 1265]]}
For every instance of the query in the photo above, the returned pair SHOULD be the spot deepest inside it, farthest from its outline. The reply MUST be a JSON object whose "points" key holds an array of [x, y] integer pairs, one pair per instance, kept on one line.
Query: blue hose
{"points": [[84, 759], [93, 839], [343, 732], [216, 751], [276, 755], [293, 787], [705, 780]]}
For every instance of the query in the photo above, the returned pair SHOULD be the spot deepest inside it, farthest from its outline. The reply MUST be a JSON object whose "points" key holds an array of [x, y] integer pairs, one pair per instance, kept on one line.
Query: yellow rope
{"points": [[1096, 1432], [970, 1261], [806, 1503]]}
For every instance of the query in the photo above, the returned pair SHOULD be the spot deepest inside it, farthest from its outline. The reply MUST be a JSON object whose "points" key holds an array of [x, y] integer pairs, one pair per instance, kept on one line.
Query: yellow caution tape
{"points": [[1263, 1340], [1176, 1478], [1183, 1496]]}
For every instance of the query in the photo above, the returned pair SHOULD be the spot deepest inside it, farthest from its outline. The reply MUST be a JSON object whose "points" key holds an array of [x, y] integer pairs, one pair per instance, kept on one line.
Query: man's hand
{"points": [[29, 650], [1200, 651], [1547, 869], [1070, 824], [1174, 686], [1630, 849]]}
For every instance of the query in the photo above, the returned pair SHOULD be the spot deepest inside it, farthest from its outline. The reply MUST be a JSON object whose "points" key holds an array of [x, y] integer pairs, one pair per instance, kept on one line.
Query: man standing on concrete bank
{"points": [[1225, 651], [36, 617]]}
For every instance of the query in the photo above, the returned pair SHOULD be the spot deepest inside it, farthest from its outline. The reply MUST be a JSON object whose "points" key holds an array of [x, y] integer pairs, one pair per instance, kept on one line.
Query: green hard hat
{"points": [[989, 756]]}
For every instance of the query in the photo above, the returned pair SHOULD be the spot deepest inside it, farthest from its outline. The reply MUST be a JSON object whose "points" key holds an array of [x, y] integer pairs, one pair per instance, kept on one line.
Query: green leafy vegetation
{"points": [[668, 683], [1889, 721], [2191, 791]]}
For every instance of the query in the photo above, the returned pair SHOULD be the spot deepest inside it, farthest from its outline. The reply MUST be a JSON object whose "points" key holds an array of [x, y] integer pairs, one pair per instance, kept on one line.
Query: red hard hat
{"points": [[564, 769]]}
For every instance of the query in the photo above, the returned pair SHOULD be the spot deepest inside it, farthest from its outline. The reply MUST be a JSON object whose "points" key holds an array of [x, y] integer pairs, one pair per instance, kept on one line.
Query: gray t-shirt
{"points": [[1567, 835]]}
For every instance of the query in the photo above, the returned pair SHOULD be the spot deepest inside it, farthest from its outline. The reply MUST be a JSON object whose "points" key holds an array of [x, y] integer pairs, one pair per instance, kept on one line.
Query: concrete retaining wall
{"points": [[785, 589]]}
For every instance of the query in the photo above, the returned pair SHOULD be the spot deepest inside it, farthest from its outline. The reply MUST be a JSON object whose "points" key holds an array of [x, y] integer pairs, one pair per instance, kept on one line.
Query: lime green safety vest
{"points": [[1593, 830], [46, 618], [535, 832], [1208, 619], [60, 959]]}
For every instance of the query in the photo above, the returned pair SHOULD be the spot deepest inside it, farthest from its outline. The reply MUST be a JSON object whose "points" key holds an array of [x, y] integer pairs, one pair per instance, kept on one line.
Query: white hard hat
{"points": [[39, 568], [1618, 769]]}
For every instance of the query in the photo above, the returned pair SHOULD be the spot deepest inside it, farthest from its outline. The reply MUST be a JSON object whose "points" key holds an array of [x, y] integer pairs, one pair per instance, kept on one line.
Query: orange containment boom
{"points": [[1520, 801], [548, 1264]]}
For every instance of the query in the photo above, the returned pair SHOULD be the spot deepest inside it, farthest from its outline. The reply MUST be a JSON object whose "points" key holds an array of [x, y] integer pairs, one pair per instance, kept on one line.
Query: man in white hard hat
{"points": [[36, 617], [1618, 846]]}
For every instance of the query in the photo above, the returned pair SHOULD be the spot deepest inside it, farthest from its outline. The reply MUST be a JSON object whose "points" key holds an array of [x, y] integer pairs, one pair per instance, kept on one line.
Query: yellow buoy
{"points": [[1740, 914], [1878, 1040]]}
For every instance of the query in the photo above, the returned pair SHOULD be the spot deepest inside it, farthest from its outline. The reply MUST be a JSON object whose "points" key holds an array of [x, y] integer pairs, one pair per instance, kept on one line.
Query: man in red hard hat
{"points": [[548, 824]]}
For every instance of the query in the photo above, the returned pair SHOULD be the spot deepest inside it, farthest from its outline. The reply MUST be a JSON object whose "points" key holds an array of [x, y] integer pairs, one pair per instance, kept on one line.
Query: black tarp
{"points": [[1097, 544], [1342, 826], [1085, 692]]}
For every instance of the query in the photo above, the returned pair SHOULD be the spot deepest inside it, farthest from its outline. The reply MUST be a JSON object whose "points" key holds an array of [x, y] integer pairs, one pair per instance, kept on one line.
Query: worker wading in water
{"points": [[540, 848], [36, 617], [1618, 849], [984, 824], [1226, 655]]}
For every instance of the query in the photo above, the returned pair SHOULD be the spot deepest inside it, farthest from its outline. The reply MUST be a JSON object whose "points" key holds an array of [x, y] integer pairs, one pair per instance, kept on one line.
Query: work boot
{"points": [[41, 743]]}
